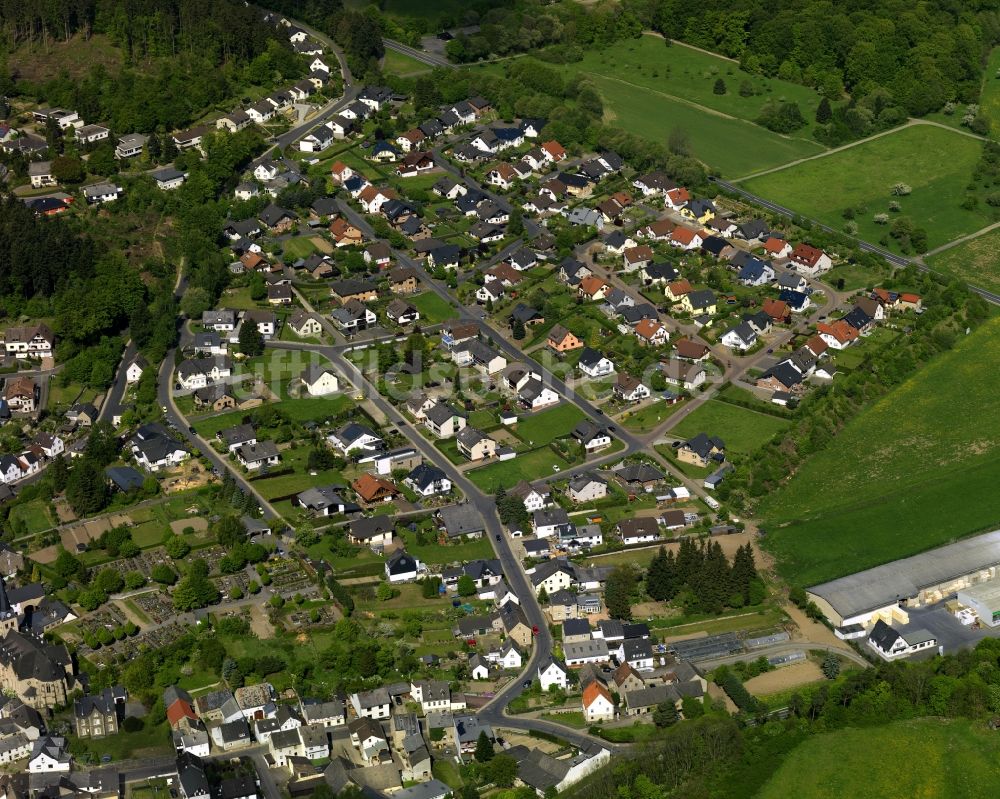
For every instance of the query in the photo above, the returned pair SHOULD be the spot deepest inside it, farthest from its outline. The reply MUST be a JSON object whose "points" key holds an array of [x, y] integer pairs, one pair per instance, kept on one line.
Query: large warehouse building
{"points": [[886, 591]]}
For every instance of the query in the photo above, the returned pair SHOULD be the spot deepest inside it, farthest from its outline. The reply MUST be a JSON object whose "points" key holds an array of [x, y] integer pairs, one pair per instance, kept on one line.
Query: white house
{"points": [[597, 703], [134, 370], [319, 381], [741, 337], [892, 644], [594, 364], [49, 755], [552, 672]]}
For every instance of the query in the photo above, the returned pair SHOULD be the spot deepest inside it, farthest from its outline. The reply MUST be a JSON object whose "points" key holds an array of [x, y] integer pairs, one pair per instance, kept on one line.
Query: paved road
{"points": [[112, 405], [328, 111]]}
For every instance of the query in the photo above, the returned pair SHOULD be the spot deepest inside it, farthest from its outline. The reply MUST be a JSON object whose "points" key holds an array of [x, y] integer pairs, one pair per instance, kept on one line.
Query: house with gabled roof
{"points": [[702, 450], [560, 339], [809, 261]]}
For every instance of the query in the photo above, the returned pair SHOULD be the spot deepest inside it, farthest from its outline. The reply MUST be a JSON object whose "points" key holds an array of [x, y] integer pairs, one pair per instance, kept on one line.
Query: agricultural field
{"points": [[943, 760], [743, 430], [974, 261], [862, 177], [898, 478]]}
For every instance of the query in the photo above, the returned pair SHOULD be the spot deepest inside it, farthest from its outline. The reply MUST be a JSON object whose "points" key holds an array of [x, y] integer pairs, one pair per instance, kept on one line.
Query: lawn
{"points": [[448, 553], [526, 466], [649, 416], [317, 409], [943, 760], [433, 309], [402, 65], [34, 515], [743, 430], [548, 425], [299, 247], [861, 178], [974, 261], [917, 469]]}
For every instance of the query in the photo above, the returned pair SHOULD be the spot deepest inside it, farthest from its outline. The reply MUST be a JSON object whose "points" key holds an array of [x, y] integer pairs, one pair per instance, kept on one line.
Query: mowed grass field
{"points": [[651, 89], [689, 74], [974, 261], [926, 758], [916, 470], [861, 177], [742, 430]]}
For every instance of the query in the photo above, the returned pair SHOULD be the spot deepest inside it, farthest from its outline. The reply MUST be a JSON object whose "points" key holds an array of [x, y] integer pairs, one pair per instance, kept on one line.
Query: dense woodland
{"points": [[180, 57]]}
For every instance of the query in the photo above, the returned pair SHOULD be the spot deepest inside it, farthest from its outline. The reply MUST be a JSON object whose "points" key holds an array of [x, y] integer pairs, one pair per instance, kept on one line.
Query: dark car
{"points": [[191, 430], [526, 684], [498, 536], [770, 350]]}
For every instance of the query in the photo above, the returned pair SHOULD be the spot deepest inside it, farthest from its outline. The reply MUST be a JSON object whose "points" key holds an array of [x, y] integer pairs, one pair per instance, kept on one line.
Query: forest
{"points": [[923, 55], [180, 57]]}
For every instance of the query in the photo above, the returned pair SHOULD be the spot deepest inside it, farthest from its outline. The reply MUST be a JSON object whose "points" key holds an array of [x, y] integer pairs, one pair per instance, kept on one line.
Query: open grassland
{"points": [[926, 758], [975, 261], [989, 100], [651, 89], [689, 74], [862, 177], [917, 469], [742, 429], [403, 65]]}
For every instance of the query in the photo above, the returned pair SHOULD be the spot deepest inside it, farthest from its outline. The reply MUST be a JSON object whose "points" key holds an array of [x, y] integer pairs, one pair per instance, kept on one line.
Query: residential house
{"points": [[401, 567], [552, 672], [587, 487], [651, 333], [809, 261], [593, 364], [427, 481], [597, 703], [443, 420], [374, 531], [702, 450], [638, 531], [372, 490], [591, 436], [630, 389], [475, 444]]}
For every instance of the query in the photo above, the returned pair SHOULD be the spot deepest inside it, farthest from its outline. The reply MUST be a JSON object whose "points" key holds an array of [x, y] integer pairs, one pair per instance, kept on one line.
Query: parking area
{"points": [[951, 634]]}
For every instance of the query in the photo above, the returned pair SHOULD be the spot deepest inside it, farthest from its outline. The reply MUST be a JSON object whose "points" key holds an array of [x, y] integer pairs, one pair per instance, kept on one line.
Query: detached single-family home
{"points": [[702, 450], [594, 364], [630, 389], [597, 703], [809, 261]]}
